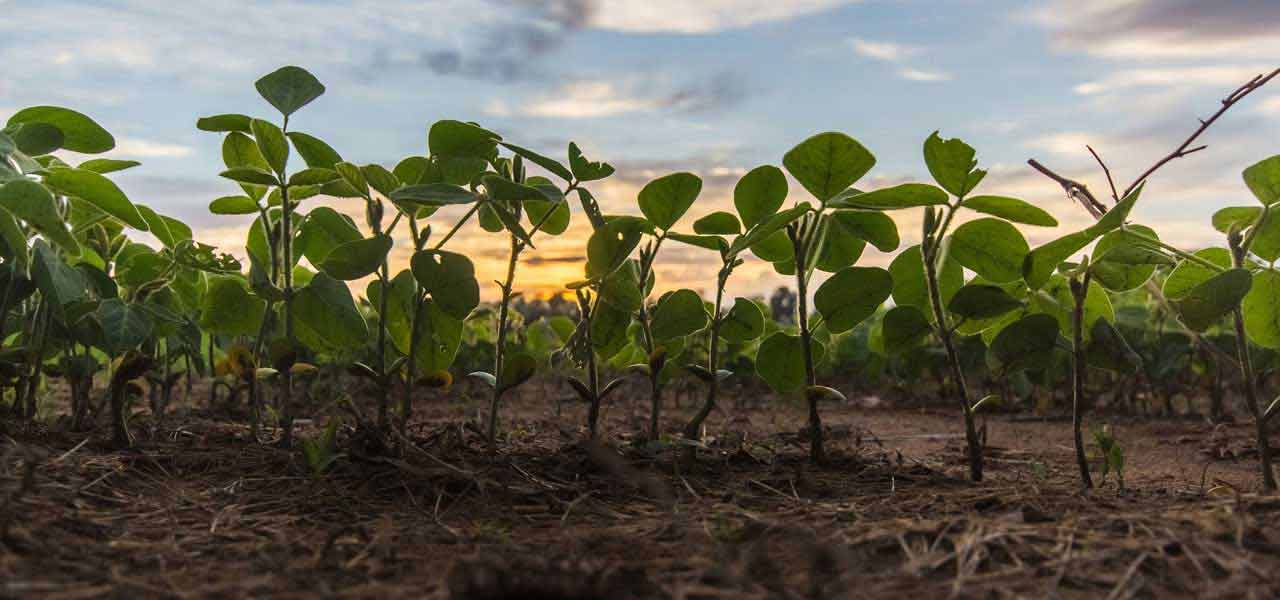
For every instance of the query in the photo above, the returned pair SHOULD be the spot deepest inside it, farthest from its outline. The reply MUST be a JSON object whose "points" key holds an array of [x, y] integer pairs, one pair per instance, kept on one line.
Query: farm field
{"points": [[891, 513], [338, 404]]}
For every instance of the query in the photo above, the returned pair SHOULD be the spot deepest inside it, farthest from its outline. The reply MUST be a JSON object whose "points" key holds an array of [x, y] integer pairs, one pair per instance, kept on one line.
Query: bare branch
{"points": [[1115, 196], [1075, 190], [1182, 150]]}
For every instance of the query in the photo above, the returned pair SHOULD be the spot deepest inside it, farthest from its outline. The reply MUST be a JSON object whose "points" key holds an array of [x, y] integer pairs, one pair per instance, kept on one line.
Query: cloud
{"points": [[919, 75], [1164, 29], [140, 148], [1270, 107], [886, 51], [703, 16], [597, 98], [1224, 76], [898, 54]]}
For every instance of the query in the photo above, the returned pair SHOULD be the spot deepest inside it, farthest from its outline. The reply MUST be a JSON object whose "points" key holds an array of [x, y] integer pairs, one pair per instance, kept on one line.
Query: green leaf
{"points": [[718, 223], [517, 368], [324, 230], [1040, 263], [356, 259], [14, 246], [34, 139], [59, 283], [827, 163], [665, 199], [438, 338], [587, 170], [622, 287], [1011, 209], [610, 245], [840, 248], [289, 88], [775, 248], [456, 139], [450, 278], [433, 194], [1189, 274], [909, 285], [759, 194], [1057, 300], [852, 295], [250, 176], [743, 323], [380, 179], [34, 204], [904, 328], [168, 230], [1261, 308], [952, 164], [80, 133], [124, 325], [768, 227], [501, 188], [1115, 218], [1262, 178], [678, 314], [991, 248], [555, 224], [312, 176], [1027, 343], [314, 151], [1242, 216], [229, 309], [550, 164], [102, 166], [982, 301], [780, 361], [413, 170], [224, 123], [873, 227], [906, 195], [97, 190], [709, 242], [1121, 261], [272, 143], [325, 317], [1206, 304]]}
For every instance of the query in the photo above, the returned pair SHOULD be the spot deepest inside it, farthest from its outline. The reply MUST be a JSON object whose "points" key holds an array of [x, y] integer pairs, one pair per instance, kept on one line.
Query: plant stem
{"points": [[693, 430], [1250, 384], [930, 255], [1079, 291], [384, 387], [801, 236], [500, 350], [286, 243], [646, 327], [593, 370]]}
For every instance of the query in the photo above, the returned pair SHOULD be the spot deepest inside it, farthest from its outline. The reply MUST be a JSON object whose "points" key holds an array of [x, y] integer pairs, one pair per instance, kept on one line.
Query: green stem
{"points": [[1079, 291], [507, 284]]}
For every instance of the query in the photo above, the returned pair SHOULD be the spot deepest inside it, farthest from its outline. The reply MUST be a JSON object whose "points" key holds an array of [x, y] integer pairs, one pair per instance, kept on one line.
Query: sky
{"points": [[715, 87]]}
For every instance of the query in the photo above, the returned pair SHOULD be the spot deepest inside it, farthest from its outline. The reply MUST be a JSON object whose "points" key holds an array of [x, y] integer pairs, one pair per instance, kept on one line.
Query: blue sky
{"points": [[653, 86]]}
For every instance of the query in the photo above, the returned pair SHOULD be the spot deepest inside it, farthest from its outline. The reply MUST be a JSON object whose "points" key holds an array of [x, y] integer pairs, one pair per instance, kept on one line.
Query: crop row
{"points": [[80, 298]]}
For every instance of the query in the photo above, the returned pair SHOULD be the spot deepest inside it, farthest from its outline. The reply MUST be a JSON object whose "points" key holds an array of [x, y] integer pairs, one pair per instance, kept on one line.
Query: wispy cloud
{"points": [[1164, 29], [703, 16], [921, 75], [1182, 77], [141, 148], [897, 54], [886, 51], [597, 98]]}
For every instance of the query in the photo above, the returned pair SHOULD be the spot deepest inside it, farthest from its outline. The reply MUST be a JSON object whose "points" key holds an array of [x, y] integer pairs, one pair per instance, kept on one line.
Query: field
{"points": [[332, 410], [196, 510]]}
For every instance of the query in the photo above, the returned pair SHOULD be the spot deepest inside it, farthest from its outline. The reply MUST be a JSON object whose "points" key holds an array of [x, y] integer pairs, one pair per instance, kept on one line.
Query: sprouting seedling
{"points": [[1112, 455], [321, 451], [508, 192], [758, 197], [826, 165], [129, 367], [257, 155], [1251, 232], [926, 278]]}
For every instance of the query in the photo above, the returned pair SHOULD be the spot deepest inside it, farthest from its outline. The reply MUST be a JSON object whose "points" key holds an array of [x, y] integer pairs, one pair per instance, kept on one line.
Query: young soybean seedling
{"points": [[259, 163], [508, 193], [826, 165], [928, 276], [757, 198], [1251, 232]]}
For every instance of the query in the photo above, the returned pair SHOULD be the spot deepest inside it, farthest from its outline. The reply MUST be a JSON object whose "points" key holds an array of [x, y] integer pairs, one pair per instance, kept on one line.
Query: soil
{"points": [[198, 509]]}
